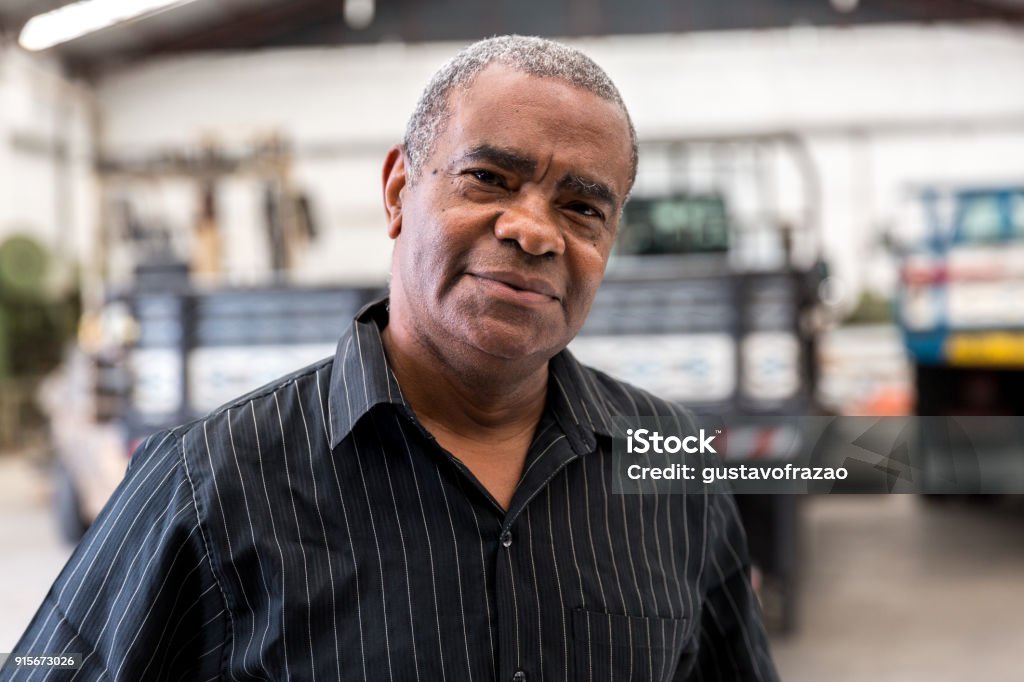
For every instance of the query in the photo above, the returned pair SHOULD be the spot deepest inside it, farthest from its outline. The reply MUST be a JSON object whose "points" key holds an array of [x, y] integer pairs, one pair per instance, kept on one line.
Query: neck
{"points": [[478, 398]]}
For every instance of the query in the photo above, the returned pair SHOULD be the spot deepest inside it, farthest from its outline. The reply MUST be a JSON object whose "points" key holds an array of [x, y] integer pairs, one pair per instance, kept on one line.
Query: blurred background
{"points": [[828, 220]]}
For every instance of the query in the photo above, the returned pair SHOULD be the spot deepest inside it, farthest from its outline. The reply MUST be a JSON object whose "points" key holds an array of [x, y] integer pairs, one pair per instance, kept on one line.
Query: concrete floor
{"points": [[893, 589], [32, 553], [896, 589]]}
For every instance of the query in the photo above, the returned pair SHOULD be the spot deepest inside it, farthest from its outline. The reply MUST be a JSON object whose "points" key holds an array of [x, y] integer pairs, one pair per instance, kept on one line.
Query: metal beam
{"points": [[249, 28], [945, 10]]}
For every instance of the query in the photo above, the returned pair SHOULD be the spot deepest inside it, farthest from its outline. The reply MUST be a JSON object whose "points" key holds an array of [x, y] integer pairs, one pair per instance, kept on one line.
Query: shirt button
{"points": [[519, 676], [506, 541]]}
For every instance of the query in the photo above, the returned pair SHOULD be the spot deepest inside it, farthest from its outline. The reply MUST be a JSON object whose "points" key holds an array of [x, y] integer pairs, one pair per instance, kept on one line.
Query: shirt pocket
{"points": [[614, 647]]}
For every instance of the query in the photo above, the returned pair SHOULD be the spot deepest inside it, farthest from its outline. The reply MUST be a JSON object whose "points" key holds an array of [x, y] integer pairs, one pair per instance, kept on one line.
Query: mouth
{"points": [[517, 287]]}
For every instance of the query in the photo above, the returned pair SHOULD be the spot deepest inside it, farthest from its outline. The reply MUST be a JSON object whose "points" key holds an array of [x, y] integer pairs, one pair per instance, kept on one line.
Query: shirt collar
{"points": [[577, 401], [362, 378]]}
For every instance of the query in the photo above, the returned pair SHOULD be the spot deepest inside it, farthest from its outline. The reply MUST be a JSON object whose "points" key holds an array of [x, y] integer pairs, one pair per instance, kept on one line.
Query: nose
{"points": [[531, 224]]}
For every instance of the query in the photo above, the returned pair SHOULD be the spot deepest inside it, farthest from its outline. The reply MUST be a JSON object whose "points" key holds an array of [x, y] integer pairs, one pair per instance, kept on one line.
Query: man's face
{"points": [[503, 238]]}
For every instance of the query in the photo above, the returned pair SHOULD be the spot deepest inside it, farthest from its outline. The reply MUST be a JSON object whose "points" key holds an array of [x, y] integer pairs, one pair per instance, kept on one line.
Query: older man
{"points": [[435, 501]]}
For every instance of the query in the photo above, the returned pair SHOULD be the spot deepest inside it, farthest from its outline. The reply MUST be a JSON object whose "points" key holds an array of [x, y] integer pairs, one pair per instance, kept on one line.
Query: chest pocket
{"points": [[609, 646]]}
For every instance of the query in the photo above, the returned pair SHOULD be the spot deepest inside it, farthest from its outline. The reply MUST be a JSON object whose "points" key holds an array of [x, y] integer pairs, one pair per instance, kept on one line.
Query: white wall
{"points": [[879, 107], [355, 99], [43, 192]]}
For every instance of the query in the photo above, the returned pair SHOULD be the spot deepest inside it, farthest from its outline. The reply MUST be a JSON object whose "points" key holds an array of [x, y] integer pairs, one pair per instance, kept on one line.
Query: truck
{"points": [[713, 299], [174, 351], [960, 308]]}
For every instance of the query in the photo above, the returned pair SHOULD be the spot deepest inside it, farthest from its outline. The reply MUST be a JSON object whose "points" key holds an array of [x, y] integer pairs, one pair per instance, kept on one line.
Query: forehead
{"points": [[544, 118]]}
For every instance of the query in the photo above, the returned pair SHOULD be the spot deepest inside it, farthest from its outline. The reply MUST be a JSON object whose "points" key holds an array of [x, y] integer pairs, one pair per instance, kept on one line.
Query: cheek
{"points": [[414, 260], [586, 272], [431, 255]]}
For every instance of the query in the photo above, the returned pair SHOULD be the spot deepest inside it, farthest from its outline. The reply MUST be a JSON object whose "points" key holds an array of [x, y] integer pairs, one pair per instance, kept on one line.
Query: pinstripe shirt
{"points": [[314, 530]]}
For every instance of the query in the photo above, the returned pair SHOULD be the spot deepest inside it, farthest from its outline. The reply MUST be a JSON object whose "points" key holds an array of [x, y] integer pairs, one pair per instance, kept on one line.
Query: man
{"points": [[434, 502]]}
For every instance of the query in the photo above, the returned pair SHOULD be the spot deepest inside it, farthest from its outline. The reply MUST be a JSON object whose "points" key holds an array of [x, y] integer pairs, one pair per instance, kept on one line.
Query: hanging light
{"points": [[845, 6], [83, 17], [359, 13]]}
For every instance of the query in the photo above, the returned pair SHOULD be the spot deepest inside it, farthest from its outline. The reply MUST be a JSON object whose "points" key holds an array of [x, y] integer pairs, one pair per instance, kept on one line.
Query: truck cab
{"points": [[960, 307]]}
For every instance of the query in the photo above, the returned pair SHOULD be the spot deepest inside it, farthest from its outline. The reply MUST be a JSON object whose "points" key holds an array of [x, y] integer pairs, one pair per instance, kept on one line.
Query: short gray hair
{"points": [[530, 55]]}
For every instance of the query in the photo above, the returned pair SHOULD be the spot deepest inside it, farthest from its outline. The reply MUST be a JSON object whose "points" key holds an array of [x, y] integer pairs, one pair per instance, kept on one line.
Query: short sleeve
{"points": [[137, 600]]}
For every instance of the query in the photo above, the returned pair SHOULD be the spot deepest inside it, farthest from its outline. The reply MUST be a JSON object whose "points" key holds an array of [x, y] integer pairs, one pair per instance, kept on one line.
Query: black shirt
{"points": [[314, 530]]}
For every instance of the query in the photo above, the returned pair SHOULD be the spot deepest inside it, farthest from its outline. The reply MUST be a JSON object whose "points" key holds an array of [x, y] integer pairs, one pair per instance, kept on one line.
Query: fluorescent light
{"points": [[359, 13], [845, 6], [86, 16]]}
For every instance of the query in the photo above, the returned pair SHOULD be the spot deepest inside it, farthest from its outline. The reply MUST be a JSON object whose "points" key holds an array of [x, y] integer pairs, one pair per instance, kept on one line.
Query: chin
{"points": [[513, 344]]}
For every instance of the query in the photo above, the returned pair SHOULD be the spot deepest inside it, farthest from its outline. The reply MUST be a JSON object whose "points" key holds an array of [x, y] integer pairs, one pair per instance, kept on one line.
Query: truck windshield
{"points": [[687, 224], [981, 220], [1018, 214], [990, 216]]}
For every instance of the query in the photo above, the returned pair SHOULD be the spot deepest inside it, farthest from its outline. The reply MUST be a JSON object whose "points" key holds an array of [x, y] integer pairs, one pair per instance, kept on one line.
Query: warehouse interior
{"points": [[229, 152]]}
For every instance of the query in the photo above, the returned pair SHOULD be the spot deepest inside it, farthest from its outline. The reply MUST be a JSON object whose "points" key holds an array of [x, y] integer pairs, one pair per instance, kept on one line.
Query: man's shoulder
{"points": [[311, 374], [260, 416]]}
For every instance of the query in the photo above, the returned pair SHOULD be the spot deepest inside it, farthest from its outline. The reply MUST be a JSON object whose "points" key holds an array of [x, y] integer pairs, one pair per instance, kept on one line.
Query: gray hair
{"points": [[530, 55]]}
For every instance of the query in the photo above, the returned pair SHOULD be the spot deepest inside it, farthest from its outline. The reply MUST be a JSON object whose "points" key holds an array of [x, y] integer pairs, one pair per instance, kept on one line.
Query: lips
{"points": [[521, 283]]}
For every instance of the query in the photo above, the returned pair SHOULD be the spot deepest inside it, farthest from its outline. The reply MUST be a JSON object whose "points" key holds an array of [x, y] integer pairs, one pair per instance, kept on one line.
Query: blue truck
{"points": [[960, 307]]}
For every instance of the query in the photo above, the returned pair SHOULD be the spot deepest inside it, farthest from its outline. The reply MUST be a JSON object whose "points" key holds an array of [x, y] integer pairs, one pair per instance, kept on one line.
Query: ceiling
{"points": [[251, 24]]}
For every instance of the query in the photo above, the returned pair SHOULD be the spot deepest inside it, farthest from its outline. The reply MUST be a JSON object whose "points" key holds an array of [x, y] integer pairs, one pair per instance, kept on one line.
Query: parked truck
{"points": [[960, 306], [712, 299]]}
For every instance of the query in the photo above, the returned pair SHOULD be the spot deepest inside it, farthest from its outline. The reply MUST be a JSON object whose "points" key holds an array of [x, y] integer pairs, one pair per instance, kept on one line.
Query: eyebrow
{"points": [[503, 158], [591, 189], [523, 165]]}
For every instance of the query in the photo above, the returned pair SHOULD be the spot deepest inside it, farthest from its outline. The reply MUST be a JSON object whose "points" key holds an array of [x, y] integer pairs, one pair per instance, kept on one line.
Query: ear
{"points": [[394, 180]]}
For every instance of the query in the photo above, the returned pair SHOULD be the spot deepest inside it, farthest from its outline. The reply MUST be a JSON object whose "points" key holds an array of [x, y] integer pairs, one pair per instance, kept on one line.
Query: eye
{"points": [[585, 210], [486, 177]]}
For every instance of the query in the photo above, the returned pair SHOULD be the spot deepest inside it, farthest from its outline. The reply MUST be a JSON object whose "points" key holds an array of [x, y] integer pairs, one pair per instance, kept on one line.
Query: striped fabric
{"points": [[314, 530]]}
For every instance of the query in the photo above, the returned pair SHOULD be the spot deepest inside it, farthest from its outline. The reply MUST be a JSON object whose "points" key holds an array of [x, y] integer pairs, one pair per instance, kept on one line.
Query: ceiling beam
{"points": [[240, 25], [248, 28], [1005, 10], [945, 10]]}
